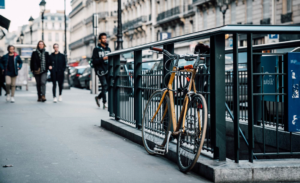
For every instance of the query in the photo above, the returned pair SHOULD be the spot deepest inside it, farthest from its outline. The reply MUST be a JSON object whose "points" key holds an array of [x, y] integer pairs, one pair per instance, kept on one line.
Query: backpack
{"points": [[91, 60]]}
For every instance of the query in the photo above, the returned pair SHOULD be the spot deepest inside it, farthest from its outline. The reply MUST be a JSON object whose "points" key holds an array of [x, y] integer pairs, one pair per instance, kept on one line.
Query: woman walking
{"points": [[39, 65], [57, 72], [2, 81], [10, 64]]}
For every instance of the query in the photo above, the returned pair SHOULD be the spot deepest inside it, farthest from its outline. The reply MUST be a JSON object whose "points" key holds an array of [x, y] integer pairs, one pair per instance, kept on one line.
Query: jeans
{"points": [[41, 80], [57, 77], [11, 83], [103, 81]]}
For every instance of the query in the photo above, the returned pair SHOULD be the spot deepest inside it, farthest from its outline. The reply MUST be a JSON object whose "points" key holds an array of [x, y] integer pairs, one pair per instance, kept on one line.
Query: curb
{"points": [[227, 171]]}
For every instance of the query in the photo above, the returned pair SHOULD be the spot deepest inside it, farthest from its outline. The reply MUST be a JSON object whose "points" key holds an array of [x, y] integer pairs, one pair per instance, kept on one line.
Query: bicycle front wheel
{"points": [[156, 123], [190, 141]]}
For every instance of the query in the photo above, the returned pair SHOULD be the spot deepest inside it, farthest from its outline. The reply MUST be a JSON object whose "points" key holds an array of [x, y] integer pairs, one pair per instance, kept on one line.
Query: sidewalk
{"points": [[62, 142]]}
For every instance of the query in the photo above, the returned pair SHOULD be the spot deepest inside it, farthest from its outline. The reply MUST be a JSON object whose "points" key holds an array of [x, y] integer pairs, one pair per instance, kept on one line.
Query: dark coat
{"points": [[98, 53], [35, 62], [17, 62], [61, 62]]}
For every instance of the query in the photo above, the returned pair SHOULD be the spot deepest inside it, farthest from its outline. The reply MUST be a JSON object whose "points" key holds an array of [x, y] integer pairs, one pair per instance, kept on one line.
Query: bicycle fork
{"points": [[163, 150]]}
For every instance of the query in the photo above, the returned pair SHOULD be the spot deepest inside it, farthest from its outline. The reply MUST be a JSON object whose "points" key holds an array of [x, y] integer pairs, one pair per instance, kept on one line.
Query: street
{"points": [[62, 142]]}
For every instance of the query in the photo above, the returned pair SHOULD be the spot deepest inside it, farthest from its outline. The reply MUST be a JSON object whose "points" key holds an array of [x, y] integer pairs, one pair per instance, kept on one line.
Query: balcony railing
{"points": [[266, 21], [168, 13], [134, 23], [286, 18]]}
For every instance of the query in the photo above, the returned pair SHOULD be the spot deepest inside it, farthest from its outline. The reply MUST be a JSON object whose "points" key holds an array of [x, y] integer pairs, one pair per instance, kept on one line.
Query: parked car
{"points": [[72, 73], [82, 77]]}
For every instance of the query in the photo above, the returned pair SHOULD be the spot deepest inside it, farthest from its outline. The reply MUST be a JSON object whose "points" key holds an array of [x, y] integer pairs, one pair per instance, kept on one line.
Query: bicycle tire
{"points": [[188, 146], [155, 133]]}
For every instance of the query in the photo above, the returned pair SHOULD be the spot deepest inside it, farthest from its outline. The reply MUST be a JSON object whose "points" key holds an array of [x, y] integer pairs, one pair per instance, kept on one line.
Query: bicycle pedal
{"points": [[160, 150]]}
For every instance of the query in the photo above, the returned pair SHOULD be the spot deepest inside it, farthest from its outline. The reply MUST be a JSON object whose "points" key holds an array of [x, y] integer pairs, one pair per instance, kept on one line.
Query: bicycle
{"points": [[159, 116]]}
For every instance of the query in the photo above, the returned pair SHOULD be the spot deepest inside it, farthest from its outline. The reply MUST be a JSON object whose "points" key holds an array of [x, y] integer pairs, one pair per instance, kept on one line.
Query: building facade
{"points": [[82, 33], [146, 21]]}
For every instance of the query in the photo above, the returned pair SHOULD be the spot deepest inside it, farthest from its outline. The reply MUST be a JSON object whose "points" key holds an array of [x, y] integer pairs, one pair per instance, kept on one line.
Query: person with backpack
{"points": [[9, 65], [100, 64], [39, 65], [57, 72]]}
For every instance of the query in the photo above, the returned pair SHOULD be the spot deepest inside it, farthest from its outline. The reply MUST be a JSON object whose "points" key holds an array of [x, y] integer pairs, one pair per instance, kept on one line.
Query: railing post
{"points": [[217, 97], [250, 94], [110, 86], [236, 98], [116, 64], [138, 111]]}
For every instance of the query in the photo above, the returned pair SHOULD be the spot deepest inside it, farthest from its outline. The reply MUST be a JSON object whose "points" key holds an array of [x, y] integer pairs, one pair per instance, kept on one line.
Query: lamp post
{"points": [[223, 5], [119, 34], [42, 8], [66, 84], [30, 27], [21, 37]]}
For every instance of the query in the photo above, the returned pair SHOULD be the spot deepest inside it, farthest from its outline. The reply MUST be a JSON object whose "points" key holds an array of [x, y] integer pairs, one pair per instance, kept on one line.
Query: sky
{"points": [[19, 11]]}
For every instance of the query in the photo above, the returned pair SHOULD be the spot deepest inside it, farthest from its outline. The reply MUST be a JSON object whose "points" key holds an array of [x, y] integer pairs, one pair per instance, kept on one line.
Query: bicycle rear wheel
{"points": [[155, 132], [190, 141]]}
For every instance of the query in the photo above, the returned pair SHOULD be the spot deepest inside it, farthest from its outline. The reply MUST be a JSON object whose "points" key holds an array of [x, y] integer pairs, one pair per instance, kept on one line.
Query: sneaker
{"points": [[55, 100], [104, 106], [60, 98], [12, 100], [97, 101], [8, 98]]}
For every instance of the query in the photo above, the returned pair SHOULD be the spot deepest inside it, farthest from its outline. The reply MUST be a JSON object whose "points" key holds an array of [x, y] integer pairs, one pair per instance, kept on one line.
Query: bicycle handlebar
{"points": [[156, 49]]}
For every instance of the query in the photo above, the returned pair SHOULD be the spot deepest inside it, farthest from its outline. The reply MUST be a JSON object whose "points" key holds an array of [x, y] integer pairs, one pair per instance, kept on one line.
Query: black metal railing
{"points": [[239, 91]]}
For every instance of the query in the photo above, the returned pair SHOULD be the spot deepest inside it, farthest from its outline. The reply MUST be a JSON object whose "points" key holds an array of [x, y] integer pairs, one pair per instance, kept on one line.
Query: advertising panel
{"points": [[293, 92]]}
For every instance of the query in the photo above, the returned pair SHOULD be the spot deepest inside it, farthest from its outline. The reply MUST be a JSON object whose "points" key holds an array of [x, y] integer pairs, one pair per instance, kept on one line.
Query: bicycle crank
{"points": [[163, 150]]}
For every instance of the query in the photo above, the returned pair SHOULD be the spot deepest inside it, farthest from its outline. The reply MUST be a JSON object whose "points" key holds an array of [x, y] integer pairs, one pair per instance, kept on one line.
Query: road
{"points": [[63, 142]]}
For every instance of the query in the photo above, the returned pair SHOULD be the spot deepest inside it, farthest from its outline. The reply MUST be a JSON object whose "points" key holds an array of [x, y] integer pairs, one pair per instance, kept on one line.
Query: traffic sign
{"points": [[273, 36]]}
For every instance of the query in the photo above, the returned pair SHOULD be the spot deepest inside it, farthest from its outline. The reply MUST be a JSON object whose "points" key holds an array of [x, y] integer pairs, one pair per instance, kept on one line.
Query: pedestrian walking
{"points": [[100, 63], [39, 65], [2, 81], [57, 72], [10, 64]]}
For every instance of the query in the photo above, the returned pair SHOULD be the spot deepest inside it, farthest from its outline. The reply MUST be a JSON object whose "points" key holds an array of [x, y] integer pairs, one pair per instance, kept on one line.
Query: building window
{"points": [[52, 18], [46, 25], [59, 18], [233, 12], [288, 6], [59, 25], [249, 11], [56, 37], [205, 19], [53, 25], [266, 9], [218, 17], [49, 37]]}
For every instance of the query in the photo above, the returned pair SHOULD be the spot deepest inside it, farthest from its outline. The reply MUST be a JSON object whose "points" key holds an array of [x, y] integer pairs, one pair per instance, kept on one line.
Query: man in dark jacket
{"points": [[39, 65], [57, 72], [100, 63]]}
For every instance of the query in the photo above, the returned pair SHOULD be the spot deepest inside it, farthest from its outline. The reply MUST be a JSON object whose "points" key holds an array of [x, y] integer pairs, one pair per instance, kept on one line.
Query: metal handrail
{"points": [[227, 29]]}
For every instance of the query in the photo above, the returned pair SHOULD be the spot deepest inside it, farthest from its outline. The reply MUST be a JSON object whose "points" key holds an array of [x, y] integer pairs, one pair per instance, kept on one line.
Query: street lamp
{"points": [[119, 34], [30, 27], [42, 8], [22, 37], [223, 5]]}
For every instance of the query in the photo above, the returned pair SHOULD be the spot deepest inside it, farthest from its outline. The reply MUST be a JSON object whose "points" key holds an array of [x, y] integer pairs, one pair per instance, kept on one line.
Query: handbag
{"points": [[37, 71]]}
